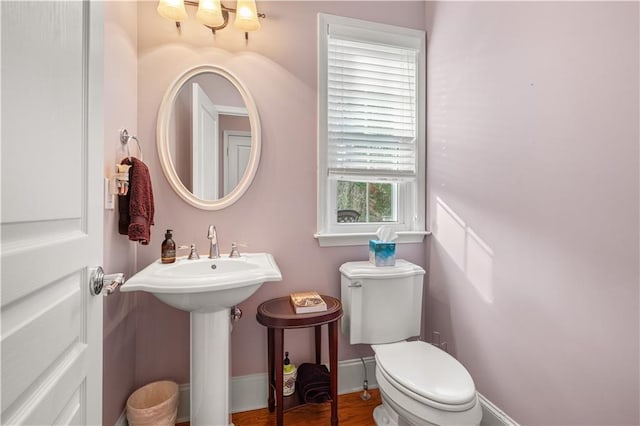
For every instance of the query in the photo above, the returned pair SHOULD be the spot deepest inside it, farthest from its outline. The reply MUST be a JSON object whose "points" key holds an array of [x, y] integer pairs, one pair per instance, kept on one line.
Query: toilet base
{"points": [[381, 417], [385, 415]]}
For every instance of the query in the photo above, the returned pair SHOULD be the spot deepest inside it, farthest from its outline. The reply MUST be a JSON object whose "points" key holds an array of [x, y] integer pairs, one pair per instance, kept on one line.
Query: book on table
{"points": [[307, 301]]}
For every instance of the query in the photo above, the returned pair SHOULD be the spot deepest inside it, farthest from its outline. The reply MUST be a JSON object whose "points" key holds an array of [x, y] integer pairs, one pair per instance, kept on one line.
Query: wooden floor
{"points": [[352, 411]]}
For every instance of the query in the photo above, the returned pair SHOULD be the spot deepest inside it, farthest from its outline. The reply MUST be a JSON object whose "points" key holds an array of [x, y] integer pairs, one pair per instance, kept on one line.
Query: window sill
{"points": [[362, 239]]}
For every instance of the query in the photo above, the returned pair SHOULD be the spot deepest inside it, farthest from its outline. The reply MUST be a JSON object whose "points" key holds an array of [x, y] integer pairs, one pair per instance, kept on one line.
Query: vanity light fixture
{"points": [[213, 14]]}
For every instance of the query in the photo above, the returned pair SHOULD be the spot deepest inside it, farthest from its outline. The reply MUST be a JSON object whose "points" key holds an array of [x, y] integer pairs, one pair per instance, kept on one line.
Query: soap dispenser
{"points": [[168, 253], [289, 379]]}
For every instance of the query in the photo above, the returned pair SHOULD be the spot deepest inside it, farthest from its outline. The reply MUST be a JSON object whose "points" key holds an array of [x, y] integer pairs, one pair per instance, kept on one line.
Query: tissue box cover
{"points": [[382, 253]]}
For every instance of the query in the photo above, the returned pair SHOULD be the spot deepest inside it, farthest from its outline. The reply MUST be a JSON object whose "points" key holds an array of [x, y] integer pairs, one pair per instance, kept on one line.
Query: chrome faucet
{"points": [[214, 249]]}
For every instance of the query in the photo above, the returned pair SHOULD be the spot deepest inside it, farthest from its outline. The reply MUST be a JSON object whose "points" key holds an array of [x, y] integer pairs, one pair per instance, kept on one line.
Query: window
{"points": [[371, 113]]}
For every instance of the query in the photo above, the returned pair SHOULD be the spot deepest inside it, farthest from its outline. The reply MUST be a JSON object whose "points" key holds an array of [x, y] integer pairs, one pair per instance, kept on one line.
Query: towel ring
{"points": [[124, 140]]}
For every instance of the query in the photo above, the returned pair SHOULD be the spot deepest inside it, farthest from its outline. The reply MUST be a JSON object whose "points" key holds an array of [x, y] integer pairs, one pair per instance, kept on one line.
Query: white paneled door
{"points": [[237, 148], [205, 121], [52, 153]]}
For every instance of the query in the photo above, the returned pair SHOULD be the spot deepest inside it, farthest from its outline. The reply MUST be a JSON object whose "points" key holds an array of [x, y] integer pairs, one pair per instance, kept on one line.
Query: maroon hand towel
{"points": [[313, 383], [123, 214], [136, 208]]}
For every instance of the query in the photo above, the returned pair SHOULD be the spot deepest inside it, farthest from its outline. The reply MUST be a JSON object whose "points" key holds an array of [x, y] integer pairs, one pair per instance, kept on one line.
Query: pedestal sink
{"points": [[207, 288]]}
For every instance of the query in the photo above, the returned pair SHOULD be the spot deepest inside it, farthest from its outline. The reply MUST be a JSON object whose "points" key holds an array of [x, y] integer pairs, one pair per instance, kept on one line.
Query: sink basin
{"points": [[206, 285], [207, 289]]}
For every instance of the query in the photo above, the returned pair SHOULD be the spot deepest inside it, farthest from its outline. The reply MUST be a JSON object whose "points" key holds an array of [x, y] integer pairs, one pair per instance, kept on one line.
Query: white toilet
{"points": [[419, 383]]}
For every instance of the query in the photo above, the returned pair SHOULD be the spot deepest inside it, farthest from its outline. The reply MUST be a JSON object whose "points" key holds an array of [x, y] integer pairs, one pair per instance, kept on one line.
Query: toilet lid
{"points": [[427, 371], [367, 270]]}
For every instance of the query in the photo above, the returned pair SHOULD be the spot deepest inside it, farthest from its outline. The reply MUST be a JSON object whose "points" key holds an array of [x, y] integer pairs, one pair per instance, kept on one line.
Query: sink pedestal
{"points": [[210, 336]]}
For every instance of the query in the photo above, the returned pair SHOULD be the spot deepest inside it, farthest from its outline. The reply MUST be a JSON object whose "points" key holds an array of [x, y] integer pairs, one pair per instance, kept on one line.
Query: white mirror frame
{"points": [[162, 140]]}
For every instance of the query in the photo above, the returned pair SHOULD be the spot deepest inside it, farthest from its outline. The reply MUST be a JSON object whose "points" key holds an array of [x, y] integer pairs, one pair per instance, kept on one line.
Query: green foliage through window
{"points": [[374, 201]]}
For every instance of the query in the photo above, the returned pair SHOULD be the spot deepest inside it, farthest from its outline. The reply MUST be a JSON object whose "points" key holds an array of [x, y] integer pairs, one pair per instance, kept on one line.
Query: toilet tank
{"points": [[381, 304]]}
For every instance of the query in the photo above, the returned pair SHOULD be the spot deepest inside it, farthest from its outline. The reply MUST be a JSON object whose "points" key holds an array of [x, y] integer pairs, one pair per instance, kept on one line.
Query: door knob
{"points": [[98, 280]]}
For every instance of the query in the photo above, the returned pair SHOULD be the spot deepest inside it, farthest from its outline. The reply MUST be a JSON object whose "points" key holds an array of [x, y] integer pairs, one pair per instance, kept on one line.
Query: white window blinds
{"points": [[371, 109]]}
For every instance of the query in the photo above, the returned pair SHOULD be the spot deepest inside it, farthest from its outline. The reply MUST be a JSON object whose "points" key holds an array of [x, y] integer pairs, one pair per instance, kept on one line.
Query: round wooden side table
{"points": [[278, 315]]}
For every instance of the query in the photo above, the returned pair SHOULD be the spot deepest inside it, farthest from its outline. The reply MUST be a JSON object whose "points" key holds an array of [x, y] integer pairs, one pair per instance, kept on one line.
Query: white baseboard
{"points": [[351, 375], [122, 420], [250, 392], [492, 415], [184, 403]]}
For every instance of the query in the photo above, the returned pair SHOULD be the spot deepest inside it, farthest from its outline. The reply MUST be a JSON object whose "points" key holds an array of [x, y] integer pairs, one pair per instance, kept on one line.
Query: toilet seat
{"points": [[427, 375]]}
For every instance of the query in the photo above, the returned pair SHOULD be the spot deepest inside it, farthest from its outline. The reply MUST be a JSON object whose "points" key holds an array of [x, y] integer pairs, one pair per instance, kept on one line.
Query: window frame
{"points": [[410, 225]]}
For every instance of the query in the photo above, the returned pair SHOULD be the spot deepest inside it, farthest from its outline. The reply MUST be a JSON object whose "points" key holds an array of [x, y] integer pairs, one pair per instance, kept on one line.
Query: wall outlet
{"points": [[436, 341]]}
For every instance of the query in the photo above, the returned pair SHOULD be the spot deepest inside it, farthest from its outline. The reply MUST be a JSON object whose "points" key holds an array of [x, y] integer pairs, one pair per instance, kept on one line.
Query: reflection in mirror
{"points": [[208, 137]]}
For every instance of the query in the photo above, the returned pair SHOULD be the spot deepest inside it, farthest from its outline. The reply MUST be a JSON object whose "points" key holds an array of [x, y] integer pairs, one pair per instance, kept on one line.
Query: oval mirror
{"points": [[208, 137]]}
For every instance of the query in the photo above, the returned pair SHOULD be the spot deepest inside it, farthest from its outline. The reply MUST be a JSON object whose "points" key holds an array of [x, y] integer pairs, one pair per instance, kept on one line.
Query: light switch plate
{"points": [[109, 198]]}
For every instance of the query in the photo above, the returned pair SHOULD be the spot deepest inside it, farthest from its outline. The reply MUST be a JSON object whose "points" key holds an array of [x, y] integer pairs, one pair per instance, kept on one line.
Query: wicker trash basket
{"points": [[154, 404]]}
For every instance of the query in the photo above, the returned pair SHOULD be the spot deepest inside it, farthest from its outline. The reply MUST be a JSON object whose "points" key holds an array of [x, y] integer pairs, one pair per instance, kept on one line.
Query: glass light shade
{"points": [[172, 9], [247, 16], [210, 13]]}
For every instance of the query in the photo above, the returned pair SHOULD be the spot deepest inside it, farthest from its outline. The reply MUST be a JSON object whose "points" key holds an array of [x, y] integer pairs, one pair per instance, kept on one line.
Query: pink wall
{"points": [[121, 88], [533, 201], [278, 212]]}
